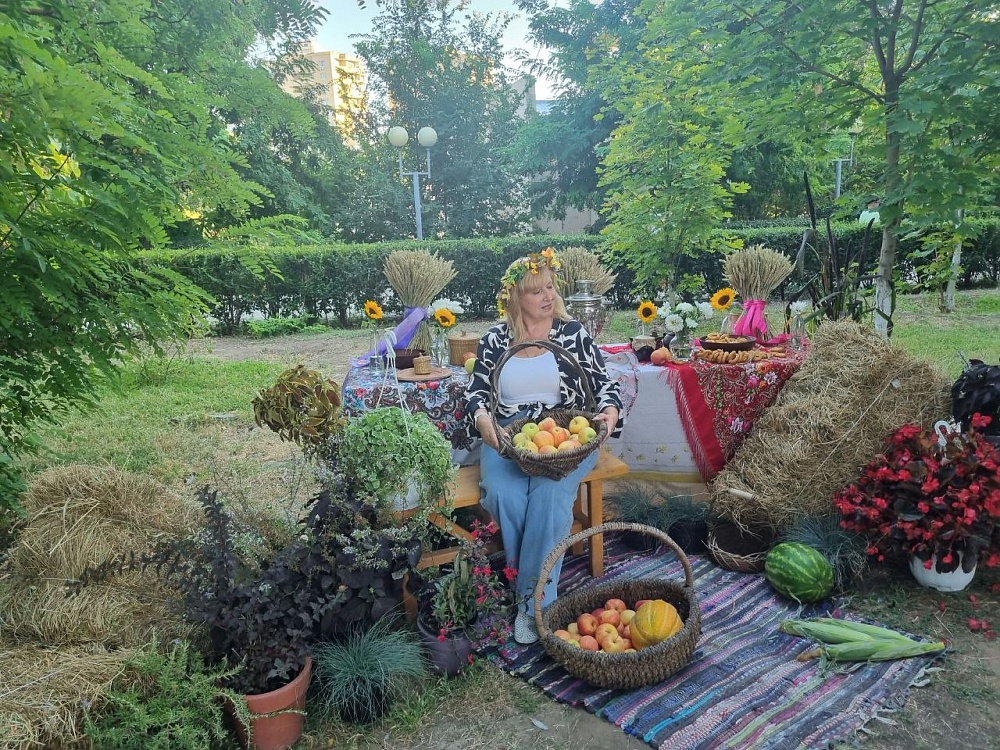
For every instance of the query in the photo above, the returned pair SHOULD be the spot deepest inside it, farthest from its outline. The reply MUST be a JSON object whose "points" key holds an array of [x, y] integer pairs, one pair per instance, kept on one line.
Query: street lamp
{"points": [[854, 132], [426, 137]]}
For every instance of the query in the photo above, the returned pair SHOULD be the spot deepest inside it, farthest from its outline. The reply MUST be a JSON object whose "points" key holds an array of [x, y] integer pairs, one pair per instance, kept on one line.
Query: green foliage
{"points": [[109, 135], [645, 503], [385, 448], [429, 64], [302, 407], [844, 550], [271, 327], [358, 678], [166, 700]]}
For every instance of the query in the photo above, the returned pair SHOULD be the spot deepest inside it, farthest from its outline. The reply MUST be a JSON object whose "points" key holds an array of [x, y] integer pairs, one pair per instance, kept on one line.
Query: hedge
{"points": [[334, 280]]}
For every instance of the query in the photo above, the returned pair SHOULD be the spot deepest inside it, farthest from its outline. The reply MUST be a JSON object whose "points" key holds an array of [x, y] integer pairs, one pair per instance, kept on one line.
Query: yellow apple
{"points": [[529, 446], [627, 616], [578, 423], [586, 435], [520, 438], [568, 445], [530, 429]]}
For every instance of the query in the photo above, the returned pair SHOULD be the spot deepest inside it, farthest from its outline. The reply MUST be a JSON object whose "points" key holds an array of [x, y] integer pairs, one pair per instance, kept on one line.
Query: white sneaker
{"points": [[525, 631]]}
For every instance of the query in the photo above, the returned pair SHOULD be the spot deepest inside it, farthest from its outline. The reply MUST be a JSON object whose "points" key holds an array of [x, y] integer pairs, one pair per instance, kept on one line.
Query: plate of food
{"points": [[727, 342]]}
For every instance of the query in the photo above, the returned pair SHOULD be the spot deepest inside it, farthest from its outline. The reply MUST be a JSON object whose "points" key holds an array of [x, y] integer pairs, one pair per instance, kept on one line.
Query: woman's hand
{"points": [[608, 415], [485, 426]]}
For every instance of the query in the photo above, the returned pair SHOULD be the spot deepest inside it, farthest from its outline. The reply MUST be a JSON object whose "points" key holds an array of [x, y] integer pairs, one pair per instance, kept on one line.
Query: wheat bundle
{"points": [[418, 277], [43, 693], [579, 263], [80, 516], [853, 390], [756, 271]]}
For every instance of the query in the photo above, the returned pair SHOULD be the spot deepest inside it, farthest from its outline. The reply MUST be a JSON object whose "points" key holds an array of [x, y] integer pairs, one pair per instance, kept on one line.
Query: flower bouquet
{"points": [[681, 319], [933, 497], [443, 314]]}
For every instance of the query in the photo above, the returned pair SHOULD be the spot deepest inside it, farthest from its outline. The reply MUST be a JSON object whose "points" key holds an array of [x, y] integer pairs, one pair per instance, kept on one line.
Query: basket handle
{"points": [[561, 354], [569, 541]]}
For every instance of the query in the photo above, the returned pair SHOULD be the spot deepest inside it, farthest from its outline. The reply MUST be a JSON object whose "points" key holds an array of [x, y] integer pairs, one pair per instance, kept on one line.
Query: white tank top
{"points": [[529, 380]]}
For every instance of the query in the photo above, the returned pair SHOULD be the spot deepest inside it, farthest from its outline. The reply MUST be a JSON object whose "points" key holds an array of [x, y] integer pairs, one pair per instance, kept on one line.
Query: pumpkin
{"points": [[654, 621]]}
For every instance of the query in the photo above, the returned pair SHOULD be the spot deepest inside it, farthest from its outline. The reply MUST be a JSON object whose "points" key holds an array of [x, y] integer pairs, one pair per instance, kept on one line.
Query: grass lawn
{"points": [[187, 420]]}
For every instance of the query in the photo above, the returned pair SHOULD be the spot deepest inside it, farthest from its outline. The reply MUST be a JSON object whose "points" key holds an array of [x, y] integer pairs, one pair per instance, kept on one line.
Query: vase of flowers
{"points": [[681, 320], [467, 607], [932, 497], [373, 316], [724, 301], [444, 314], [642, 342]]}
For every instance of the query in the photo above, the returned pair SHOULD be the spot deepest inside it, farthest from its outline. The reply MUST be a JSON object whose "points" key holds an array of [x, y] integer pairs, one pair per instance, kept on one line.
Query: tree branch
{"points": [[876, 15], [918, 25]]}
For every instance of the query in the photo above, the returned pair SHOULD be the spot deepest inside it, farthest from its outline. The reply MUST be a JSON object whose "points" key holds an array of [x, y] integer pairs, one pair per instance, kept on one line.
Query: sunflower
{"points": [[445, 317], [647, 312], [723, 298], [373, 310]]}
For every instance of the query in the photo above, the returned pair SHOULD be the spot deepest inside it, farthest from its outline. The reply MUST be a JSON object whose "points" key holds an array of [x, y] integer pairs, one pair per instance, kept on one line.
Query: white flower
{"points": [[673, 322], [454, 307], [705, 308], [691, 322], [800, 307], [684, 308]]}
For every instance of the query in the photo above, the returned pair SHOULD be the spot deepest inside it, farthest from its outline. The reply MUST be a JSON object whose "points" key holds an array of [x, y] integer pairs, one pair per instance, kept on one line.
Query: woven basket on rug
{"points": [[621, 671], [753, 563], [551, 465]]}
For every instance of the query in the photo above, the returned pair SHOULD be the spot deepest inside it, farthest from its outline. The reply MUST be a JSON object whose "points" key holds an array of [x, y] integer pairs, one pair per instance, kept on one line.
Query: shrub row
{"points": [[324, 281]]}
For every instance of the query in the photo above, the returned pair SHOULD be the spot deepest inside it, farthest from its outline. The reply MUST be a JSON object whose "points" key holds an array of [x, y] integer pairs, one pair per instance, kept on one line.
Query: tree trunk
{"points": [[948, 304], [883, 283], [884, 297]]}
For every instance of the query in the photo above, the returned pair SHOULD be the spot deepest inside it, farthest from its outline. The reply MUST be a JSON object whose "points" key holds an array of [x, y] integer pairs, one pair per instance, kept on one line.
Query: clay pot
{"points": [[277, 716]]}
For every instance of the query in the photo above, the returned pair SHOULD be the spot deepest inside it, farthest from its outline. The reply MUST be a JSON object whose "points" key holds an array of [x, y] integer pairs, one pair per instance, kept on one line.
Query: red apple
{"points": [[639, 604], [605, 632], [597, 613], [616, 604], [586, 624], [587, 643], [611, 616], [616, 646]]}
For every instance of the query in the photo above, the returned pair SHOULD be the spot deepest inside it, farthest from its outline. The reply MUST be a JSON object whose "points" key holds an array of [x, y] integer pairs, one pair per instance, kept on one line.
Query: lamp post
{"points": [[426, 137], [854, 132]]}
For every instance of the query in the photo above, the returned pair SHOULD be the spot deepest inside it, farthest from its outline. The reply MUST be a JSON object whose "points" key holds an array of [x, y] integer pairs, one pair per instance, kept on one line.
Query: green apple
{"points": [[520, 438], [530, 429], [587, 434], [470, 365]]}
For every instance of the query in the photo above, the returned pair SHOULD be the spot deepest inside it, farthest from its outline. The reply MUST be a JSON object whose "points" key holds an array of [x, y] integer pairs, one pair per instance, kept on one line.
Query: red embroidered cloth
{"points": [[719, 404]]}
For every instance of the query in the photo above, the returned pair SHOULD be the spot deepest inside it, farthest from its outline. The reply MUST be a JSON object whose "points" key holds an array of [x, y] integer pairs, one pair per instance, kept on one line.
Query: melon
{"points": [[799, 572], [654, 621]]}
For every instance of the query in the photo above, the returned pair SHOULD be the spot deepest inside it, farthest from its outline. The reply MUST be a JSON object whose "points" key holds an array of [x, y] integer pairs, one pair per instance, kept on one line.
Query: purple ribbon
{"points": [[412, 317]]}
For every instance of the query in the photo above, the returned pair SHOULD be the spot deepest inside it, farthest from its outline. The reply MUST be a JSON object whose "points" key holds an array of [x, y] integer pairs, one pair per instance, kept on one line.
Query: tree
{"points": [[108, 135], [426, 68], [913, 70]]}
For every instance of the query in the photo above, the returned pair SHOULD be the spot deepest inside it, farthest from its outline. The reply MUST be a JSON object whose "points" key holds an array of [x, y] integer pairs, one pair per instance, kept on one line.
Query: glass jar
{"points": [[439, 348], [798, 332], [680, 345], [375, 362]]}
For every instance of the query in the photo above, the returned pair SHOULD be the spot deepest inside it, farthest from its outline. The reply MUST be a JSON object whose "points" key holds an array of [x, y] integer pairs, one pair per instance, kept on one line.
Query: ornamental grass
{"points": [[853, 389]]}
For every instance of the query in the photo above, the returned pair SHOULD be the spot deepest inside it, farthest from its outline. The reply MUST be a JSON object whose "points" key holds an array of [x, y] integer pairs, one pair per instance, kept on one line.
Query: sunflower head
{"points": [[723, 298], [373, 310], [444, 317], [647, 311]]}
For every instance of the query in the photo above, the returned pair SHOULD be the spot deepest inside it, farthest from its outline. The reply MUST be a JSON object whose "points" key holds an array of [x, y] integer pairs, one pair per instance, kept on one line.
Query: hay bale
{"points": [[79, 516], [853, 390], [42, 693]]}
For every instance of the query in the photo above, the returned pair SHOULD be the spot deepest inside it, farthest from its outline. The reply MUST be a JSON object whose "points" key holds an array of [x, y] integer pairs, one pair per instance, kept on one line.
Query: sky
{"points": [[346, 18]]}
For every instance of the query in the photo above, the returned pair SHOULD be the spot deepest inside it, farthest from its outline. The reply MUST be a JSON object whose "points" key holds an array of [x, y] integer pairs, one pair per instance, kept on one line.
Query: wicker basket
{"points": [[753, 563], [459, 344], [551, 465], [623, 671]]}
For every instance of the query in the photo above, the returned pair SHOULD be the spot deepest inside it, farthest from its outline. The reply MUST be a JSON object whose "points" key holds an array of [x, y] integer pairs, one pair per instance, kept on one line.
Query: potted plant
{"points": [[264, 614], [388, 453], [681, 516], [977, 391], [933, 498], [466, 607], [360, 676]]}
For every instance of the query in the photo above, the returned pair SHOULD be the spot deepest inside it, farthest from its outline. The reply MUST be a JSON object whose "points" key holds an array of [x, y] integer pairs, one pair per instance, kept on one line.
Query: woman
{"points": [[534, 513]]}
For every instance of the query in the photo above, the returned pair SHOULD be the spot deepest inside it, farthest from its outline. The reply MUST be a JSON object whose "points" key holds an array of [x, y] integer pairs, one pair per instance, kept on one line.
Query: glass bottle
{"points": [[798, 331], [375, 359], [680, 345]]}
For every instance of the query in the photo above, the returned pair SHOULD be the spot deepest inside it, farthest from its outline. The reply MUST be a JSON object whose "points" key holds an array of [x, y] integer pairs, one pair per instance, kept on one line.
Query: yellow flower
{"points": [[723, 298], [444, 317], [646, 311], [548, 253], [373, 310]]}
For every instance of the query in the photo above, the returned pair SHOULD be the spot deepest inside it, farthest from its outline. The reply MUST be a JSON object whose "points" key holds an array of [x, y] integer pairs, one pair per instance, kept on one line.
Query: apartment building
{"points": [[340, 78]]}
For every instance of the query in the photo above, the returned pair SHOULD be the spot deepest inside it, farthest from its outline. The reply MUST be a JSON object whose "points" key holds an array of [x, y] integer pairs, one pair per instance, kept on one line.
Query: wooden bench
{"points": [[588, 511]]}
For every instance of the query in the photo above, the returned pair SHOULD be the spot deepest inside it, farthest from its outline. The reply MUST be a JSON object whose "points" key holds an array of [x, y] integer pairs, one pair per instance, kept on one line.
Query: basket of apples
{"points": [[620, 634], [555, 444]]}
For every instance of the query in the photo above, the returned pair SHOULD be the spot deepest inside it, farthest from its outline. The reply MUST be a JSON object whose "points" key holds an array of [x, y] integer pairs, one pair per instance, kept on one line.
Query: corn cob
{"points": [[873, 630], [826, 631], [878, 650]]}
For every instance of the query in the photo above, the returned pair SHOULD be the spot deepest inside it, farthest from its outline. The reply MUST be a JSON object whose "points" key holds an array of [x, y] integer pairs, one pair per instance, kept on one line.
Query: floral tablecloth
{"points": [[719, 404], [440, 400]]}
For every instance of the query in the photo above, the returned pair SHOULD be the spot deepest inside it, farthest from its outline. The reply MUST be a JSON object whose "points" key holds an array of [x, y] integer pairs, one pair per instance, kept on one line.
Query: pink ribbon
{"points": [[752, 322]]}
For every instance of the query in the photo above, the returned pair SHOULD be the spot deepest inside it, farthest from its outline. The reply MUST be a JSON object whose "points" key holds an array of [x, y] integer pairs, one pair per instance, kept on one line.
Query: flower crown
{"points": [[517, 270]]}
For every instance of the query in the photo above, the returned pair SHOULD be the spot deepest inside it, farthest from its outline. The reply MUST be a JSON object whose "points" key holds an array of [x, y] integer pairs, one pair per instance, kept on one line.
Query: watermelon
{"points": [[798, 572]]}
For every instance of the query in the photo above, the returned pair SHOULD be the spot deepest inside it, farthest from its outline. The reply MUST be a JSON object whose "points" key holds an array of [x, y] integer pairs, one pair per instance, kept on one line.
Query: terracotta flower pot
{"points": [[277, 717]]}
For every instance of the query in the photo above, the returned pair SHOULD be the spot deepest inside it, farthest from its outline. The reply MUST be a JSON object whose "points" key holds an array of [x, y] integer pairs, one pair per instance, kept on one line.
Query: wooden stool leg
{"points": [[578, 510], [595, 506]]}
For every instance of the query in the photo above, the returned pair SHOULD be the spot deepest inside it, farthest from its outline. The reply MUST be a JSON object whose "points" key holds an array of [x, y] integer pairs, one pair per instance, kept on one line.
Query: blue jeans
{"points": [[534, 513]]}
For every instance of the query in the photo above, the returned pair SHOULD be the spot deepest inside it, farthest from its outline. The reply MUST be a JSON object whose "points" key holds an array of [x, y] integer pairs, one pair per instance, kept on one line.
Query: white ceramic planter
{"points": [[954, 581], [409, 500]]}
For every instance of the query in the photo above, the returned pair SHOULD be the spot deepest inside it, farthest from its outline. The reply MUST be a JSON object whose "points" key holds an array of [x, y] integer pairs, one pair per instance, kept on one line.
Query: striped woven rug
{"points": [[743, 687]]}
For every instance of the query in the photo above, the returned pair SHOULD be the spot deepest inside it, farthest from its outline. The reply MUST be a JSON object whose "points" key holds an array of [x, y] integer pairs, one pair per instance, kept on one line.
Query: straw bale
{"points": [[79, 516], [42, 693], [853, 390]]}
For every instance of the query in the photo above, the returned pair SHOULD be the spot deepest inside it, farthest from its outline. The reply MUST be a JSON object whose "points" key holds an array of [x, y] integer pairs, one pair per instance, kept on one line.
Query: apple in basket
{"points": [[586, 624], [530, 428], [577, 423], [586, 435], [547, 425]]}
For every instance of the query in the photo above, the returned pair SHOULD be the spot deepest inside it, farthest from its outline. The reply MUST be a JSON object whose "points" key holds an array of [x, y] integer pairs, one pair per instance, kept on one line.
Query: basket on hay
{"points": [[623, 671], [551, 465]]}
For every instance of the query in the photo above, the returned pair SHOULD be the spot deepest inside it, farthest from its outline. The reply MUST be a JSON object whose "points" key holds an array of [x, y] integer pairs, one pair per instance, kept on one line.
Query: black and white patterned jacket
{"points": [[570, 335]]}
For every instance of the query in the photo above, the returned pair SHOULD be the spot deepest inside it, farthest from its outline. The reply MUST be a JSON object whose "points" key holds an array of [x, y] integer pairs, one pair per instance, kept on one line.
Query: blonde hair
{"points": [[531, 282]]}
